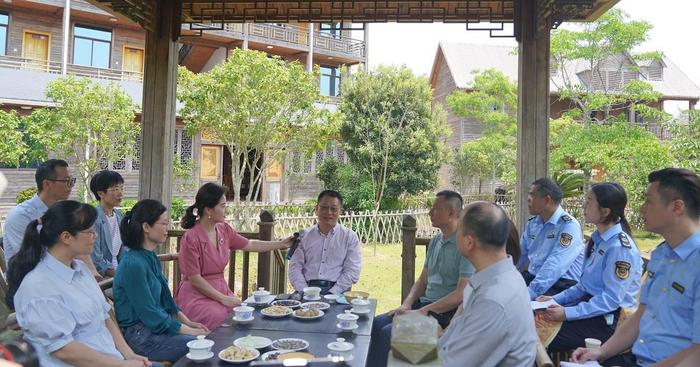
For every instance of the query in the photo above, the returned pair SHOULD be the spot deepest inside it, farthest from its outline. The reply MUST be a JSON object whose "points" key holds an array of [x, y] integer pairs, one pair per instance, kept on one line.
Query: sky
{"points": [[676, 33]]}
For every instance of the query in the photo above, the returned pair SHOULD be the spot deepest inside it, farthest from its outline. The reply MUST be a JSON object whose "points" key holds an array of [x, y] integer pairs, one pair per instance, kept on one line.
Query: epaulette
{"points": [[624, 240], [531, 218], [566, 218]]}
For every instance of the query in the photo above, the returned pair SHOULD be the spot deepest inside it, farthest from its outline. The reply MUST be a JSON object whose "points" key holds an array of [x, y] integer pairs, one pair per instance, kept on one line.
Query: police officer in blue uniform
{"points": [[665, 329], [551, 242], [612, 271]]}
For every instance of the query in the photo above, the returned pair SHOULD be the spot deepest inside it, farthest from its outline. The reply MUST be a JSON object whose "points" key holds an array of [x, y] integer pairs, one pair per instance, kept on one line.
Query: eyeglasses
{"points": [[90, 231], [68, 181], [118, 188]]}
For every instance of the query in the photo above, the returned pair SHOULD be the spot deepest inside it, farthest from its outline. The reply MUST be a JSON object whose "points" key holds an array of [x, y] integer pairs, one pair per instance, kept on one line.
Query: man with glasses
{"points": [[53, 183], [108, 188], [328, 255]]}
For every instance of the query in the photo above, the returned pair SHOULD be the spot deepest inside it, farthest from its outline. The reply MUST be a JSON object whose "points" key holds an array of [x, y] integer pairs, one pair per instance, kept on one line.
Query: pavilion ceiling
{"points": [[203, 12]]}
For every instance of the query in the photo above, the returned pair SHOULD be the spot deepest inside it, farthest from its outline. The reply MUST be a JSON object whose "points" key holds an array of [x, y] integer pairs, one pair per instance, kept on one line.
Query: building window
{"points": [[330, 81], [4, 21], [330, 29], [91, 46]]}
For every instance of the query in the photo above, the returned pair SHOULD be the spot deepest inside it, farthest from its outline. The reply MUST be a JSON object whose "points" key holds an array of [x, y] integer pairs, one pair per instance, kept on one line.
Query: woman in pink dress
{"points": [[203, 294]]}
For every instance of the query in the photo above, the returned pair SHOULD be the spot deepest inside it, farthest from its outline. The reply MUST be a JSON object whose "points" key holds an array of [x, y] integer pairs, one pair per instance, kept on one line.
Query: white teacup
{"points": [[312, 292], [360, 305], [260, 295], [347, 320], [331, 298], [243, 312], [592, 343], [200, 347]]}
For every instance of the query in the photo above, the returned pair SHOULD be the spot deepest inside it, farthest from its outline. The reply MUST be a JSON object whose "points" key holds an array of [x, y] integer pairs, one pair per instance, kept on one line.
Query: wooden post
{"points": [[266, 229], [533, 101], [408, 254], [158, 105]]}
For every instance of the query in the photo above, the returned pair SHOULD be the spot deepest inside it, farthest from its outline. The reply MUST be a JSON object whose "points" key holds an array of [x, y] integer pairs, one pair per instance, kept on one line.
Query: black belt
{"points": [[320, 283]]}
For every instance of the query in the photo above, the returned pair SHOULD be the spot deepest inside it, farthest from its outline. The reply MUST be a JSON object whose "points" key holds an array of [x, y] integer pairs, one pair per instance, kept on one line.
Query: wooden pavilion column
{"points": [[533, 101], [159, 96]]}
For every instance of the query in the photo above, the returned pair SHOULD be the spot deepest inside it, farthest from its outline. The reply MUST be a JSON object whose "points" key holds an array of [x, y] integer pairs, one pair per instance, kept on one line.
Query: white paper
{"points": [[587, 364], [536, 305]]}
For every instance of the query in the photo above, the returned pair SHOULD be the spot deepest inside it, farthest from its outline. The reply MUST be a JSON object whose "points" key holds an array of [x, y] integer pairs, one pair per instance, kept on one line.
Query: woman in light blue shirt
{"points": [[60, 307], [611, 274]]}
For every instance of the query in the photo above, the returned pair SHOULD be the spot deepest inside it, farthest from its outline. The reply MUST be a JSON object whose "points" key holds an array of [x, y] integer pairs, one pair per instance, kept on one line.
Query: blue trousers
{"points": [[380, 343], [157, 347]]}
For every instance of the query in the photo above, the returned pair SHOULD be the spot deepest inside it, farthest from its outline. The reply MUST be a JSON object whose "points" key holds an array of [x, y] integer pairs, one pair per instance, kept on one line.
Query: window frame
{"points": [[334, 29], [92, 43], [335, 75], [4, 42]]}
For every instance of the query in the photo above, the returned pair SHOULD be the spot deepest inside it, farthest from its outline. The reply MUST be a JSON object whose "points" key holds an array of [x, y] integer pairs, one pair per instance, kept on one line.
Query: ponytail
{"points": [[208, 196], [24, 261], [189, 219], [64, 216]]}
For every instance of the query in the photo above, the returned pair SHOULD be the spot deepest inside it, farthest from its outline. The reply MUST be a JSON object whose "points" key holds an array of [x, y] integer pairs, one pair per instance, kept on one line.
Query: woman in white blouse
{"points": [[60, 307]]}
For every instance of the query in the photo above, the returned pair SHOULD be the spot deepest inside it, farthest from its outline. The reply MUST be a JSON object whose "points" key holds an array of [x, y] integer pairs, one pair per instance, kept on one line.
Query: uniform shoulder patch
{"points": [[622, 269], [565, 239], [566, 218], [624, 240]]}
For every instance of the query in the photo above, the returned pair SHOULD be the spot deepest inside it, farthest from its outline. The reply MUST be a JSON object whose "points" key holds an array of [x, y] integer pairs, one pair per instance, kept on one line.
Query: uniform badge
{"points": [[565, 239], [678, 287], [550, 235], [601, 252], [622, 269], [650, 274], [624, 240], [566, 218], [532, 236]]}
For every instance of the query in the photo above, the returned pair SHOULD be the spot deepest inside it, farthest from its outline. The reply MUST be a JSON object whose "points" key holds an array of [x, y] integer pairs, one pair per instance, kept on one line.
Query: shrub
{"points": [[177, 208], [25, 194]]}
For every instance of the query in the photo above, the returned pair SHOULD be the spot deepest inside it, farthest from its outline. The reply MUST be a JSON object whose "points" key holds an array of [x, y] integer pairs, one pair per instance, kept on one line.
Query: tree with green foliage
{"points": [[625, 153], [685, 145], [392, 132], [592, 60], [258, 106], [12, 145], [493, 101], [91, 124]]}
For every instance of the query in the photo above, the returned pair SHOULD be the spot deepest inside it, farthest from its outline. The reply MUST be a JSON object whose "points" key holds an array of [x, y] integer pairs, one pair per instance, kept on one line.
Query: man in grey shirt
{"points": [[497, 327]]}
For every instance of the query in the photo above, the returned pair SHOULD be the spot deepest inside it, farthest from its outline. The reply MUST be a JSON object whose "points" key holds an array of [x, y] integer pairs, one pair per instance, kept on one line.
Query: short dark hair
{"points": [[103, 180], [453, 198], [545, 186], [131, 227], [47, 171], [488, 223], [679, 183], [330, 193]]}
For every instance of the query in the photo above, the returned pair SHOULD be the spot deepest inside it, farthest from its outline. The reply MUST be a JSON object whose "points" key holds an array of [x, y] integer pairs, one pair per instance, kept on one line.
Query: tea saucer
{"points": [[199, 359], [243, 321], [348, 329], [356, 311], [307, 298]]}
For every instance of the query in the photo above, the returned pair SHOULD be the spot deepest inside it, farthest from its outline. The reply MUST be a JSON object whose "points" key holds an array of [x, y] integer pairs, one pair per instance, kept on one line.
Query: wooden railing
{"points": [[53, 67], [272, 266], [296, 36]]}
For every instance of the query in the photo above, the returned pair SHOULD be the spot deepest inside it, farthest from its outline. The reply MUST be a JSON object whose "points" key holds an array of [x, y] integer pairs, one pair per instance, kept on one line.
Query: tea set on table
{"points": [[200, 348]]}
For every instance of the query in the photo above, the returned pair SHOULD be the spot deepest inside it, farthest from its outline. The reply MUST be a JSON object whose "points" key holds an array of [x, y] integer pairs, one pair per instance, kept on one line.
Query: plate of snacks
{"points": [[273, 355], [287, 303], [254, 342], [290, 344], [234, 354], [308, 313], [276, 311], [316, 305]]}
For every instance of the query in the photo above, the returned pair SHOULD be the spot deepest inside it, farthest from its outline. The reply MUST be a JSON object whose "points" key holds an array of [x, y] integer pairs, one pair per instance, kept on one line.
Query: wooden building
{"points": [[454, 66], [111, 48]]}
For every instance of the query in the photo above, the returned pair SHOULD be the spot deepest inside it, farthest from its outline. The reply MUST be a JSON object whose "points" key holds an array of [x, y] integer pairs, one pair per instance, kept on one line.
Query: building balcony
{"points": [[54, 67], [293, 37]]}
